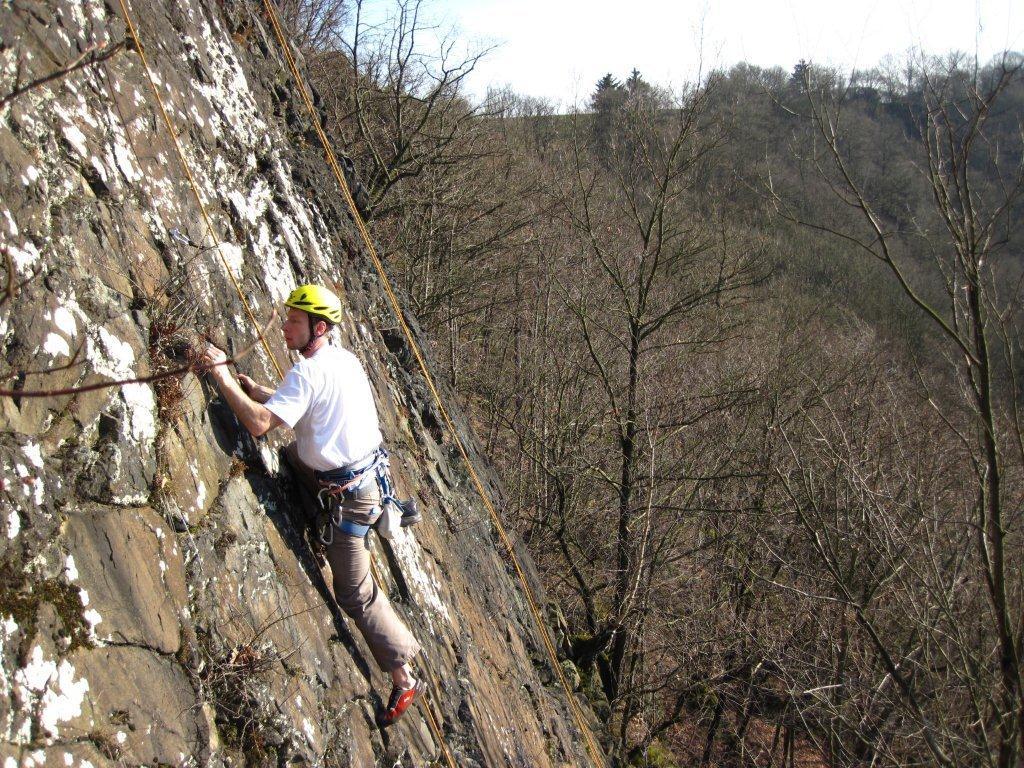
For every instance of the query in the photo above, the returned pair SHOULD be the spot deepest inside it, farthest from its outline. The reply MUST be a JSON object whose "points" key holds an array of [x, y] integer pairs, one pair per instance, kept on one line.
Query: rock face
{"points": [[158, 602]]}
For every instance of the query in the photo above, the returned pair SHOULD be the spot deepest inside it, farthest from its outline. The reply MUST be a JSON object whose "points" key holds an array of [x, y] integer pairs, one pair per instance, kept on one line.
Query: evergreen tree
{"points": [[800, 74], [607, 94], [606, 102]]}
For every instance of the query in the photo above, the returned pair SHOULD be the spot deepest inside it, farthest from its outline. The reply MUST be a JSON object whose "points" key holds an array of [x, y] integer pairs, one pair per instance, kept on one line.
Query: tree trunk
{"points": [[624, 543]]}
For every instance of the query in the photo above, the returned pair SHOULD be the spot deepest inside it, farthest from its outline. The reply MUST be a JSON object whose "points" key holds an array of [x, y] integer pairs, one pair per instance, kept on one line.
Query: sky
{"points": [[558, 49]]}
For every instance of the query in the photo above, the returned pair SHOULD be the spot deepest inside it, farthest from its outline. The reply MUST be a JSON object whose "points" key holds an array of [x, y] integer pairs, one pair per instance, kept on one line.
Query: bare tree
{"points": [[401, 109], [975, 187], [315, 26], [653, 287]]}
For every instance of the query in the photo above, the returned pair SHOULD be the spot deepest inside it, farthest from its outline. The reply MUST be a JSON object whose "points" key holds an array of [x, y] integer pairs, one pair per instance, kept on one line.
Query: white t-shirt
{"points": [[327, 400]]}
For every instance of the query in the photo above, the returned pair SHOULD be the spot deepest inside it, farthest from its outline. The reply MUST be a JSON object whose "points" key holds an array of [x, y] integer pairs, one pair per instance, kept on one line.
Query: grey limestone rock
{"points": [[159, 604]]}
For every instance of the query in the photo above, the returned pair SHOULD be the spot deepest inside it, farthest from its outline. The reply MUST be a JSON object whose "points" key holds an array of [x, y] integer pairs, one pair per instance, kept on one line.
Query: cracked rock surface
{"points": [[159, 604]]}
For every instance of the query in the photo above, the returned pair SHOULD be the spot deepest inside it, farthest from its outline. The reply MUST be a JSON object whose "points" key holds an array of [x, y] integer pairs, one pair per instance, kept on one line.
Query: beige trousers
{"points": [[355, 591]]}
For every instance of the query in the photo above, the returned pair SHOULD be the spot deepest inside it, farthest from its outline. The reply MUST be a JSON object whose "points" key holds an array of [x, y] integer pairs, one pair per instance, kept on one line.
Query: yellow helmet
{"points": [[317, 301]]}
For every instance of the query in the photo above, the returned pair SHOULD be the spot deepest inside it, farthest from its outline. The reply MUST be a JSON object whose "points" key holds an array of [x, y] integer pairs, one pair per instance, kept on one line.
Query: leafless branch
{"points": [[92, 55], [180, 371]]}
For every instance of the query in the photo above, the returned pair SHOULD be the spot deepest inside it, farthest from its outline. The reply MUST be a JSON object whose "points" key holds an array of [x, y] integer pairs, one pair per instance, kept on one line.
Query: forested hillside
{"points": [[746, 355]]}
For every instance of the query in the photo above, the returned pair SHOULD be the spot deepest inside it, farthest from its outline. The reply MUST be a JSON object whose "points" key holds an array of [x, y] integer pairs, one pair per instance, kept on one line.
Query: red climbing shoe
{"points": [[400, 700]]}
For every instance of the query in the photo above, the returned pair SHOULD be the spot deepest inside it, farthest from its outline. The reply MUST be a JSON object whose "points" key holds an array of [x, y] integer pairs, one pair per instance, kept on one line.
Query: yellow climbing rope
{"points": [[361, 226], [368, 242], [192, 182]]}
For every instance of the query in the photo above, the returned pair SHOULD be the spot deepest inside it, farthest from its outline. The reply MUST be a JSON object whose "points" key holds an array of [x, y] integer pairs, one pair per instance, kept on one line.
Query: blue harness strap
{"points": [[335, 483], [354, 529]]}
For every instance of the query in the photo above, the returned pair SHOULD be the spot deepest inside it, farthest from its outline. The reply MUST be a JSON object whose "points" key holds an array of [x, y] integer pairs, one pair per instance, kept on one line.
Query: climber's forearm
{"points": [[250, 411], [257, 392], [261, 394]]}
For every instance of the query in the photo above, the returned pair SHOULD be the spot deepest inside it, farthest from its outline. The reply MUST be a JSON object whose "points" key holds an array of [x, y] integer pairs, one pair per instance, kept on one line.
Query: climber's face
{"points": [[296, 329]]}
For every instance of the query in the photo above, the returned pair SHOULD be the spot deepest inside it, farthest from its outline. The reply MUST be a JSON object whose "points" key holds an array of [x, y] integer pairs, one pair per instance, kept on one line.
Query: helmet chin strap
{"points": [[312, 334]]}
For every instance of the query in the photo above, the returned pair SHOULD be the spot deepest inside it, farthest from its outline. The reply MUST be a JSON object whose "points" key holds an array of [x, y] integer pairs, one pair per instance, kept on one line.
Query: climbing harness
{"points": [[339, 175], [337, 484]]}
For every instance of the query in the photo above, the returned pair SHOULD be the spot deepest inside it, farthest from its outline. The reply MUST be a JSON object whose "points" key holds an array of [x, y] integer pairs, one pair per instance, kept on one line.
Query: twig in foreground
{"points": [[92, 55], [191, 368]]}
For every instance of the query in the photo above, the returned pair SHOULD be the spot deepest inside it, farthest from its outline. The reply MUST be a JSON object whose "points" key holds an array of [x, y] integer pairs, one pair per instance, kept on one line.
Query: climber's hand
{"points": [[212, 359]]}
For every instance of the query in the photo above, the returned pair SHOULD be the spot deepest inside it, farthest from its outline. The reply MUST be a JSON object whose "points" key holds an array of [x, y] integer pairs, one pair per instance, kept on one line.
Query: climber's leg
{"points": [[390, 641]]}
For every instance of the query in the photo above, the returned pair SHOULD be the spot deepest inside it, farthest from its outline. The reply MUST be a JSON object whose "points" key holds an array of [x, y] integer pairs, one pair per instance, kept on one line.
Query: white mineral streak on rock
{"points": [[159, 191], [78, 16], [291, 239], [196, 117], [270, 457], [307, 728], [56, 345], [12, 225], [69, 759], [34, 454], [25, 257], [234, 257], [64, 320], [278, 278], [91, 615], [75, 138], [123, 158], [228, 94], [85, 114], [252, 207], [115, 358], [8, 627], [98, 12], [33, 483], [53, 688], [100, 168], [298, 206], [92, 618], [13, 524], [409, 552], [30, 176]]}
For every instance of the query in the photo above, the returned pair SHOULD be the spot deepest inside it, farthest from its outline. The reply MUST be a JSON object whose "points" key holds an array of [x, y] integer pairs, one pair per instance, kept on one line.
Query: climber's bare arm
{"points": [[249, 409], [257, 392]]}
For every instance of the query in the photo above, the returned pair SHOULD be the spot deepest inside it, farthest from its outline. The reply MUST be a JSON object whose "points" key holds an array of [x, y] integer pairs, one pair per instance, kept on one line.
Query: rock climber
{"points": [[326, 399]]}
